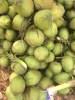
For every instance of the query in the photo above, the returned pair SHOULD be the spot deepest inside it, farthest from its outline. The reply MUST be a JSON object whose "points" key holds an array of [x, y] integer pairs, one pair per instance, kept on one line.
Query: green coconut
{"points": [[45, 83], [55, 67], [19, 47], [52, 31], [60, 22], [69, 53], [4, 61], [43, 19], [60, 1], [12, 11], [12, 76], [72, 24], [49, 73], [70, 14], [64, 91], [43, 4], [41, 53], [30, 51], [58, 49], [34, 37], [58, 11], [32, 93], [6, 45], [62, 77], [69, 4], [67, 63], [32, 62], [5, 21], [73, 35], [43, 95], [10, 35], [17, 85], [1, 51], [50, 45], [18, 68], [50, 58], [2, 34], [3, 6], [17, 22], [32, 77], [64, 34], [73, 46], [11, 96], [25, 8], [43, 65]]}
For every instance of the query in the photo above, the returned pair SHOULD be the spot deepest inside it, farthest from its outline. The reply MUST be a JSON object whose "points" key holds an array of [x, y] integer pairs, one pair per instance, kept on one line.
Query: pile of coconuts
{"points": [[37, 43]]}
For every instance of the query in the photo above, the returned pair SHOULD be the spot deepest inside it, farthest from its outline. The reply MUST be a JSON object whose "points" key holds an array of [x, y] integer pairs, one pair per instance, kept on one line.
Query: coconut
{"points": [[17, 85], [43, 19], [34, 37], [19, 47], [32, 62], [32, 77], [24, 8], [41, 53], [67, 63]]}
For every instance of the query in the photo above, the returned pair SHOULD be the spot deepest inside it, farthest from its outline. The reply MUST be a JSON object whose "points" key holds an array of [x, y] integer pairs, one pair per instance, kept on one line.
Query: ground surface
{"points": [[4, 76]]}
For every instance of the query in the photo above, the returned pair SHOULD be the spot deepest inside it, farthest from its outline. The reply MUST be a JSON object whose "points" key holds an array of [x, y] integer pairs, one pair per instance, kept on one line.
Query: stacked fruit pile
{"points": [[37, 42]]}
